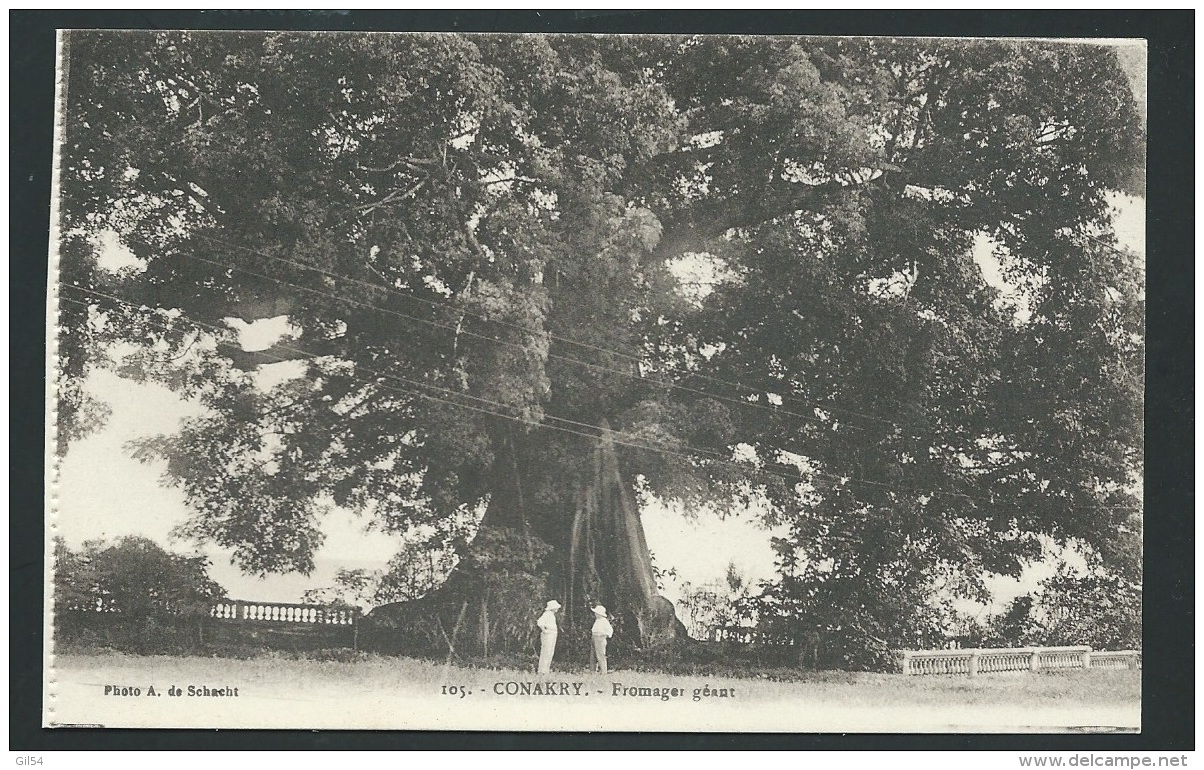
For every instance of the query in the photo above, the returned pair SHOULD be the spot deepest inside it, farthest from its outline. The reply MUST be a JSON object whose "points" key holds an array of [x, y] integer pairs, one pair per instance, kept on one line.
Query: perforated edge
{"points": [[53, 460]]}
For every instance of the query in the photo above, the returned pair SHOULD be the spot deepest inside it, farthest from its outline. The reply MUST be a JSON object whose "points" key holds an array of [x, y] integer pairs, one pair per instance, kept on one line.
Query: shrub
{"points": [[131, 595], [1100, 608]]}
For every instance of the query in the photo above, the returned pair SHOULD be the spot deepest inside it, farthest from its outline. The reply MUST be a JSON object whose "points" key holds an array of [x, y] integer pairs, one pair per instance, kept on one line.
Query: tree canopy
{"points": [[133, 577], [481, 245]]}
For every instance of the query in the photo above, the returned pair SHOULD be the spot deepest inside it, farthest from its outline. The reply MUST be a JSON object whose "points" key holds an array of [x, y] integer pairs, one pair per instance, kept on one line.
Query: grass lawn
{"points": [[376, 692]]}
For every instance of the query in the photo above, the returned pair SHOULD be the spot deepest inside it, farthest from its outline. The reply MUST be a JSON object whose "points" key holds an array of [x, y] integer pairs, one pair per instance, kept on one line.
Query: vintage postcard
{"points": [[596, 382]]}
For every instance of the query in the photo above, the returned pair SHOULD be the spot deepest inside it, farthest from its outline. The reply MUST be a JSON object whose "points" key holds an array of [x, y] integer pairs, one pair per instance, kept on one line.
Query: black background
{"points": [[1168, 707]]}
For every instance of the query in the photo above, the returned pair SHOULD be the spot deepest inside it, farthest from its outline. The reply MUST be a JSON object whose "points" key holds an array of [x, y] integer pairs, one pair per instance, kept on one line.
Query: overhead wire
{"points": [[526, 348], [593, 429], [570, 341], [592, 432], [452, 327], [518, 345], [824, 405]]}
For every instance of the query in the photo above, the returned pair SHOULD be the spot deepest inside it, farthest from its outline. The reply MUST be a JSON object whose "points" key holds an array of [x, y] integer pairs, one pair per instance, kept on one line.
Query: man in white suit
{"points": [[548, 631]]}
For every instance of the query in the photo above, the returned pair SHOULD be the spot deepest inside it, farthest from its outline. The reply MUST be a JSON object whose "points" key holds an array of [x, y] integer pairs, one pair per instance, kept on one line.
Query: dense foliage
{"points": [[713, 609], [1101, 609], [132, 576], [1098, 607], [479, 244], [131, 594], [410, 574]]}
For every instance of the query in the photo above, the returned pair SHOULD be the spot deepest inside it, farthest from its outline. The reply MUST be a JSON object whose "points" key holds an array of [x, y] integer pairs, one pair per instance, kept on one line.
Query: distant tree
{"points": [[970, 630], [1099, 608], [1098, 604], [413, 572], [351, 587], [136, 594], [859, 623], [1121, 554], [709, 609], [501, 577], [410, 574], [1016, 626], [699, 608], [133, 577], [74, 587]]}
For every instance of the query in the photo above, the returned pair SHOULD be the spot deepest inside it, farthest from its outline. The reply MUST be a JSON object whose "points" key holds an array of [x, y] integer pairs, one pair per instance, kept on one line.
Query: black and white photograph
{"points": [[580, 382]]}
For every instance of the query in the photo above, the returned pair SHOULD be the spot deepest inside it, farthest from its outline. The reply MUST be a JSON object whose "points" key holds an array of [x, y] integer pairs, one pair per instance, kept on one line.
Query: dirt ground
{"points": [[404, 694]]}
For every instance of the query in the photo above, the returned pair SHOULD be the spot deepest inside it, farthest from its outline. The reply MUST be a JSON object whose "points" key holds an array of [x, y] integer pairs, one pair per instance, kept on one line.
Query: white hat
{"points": [[600, 610], [552, 605]]}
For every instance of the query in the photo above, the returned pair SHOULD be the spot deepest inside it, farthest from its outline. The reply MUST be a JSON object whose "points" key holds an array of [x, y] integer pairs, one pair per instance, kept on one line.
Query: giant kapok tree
{"points": [[483, 246]]}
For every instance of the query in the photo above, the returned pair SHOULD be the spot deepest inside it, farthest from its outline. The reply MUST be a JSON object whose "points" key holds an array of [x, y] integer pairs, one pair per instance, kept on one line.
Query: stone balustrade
{"points": [[975, 661], [285, 613], [1116, 659]]}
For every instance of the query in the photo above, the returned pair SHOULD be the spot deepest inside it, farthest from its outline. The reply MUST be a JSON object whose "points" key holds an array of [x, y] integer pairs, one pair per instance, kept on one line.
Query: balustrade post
{"points": [[974, 663], [906, 663], [1034, 659], [1087, 659]]}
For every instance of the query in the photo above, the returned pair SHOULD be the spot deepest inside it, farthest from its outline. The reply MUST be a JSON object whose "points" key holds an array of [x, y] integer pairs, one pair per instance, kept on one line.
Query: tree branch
{"points": [[416, 164], [248, 360], [251, 309], [697, 226], [391, 197], [1003, 471]]}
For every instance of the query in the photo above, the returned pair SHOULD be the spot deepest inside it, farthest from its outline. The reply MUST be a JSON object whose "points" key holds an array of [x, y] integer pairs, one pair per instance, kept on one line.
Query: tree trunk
{"points": [[599, 552], [608, 558], [485, 624]]}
